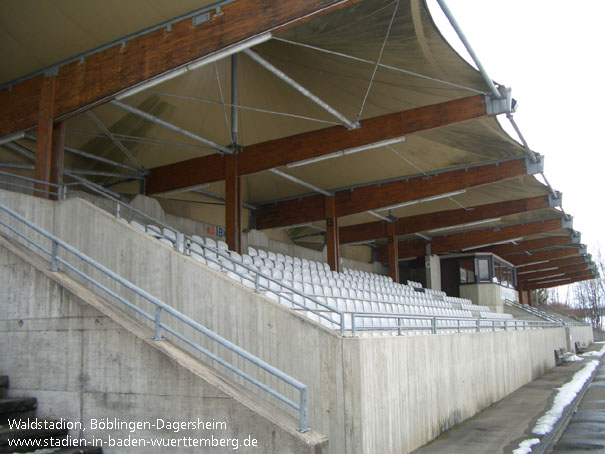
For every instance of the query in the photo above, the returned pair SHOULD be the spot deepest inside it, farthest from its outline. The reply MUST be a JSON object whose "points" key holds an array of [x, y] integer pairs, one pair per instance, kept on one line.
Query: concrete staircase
{"points": [[24, 409]]}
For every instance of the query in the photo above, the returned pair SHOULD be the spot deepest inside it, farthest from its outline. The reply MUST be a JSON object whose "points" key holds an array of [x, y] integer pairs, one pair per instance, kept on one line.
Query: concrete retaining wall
{"points": [[367, 395], [412, 389], [599, 335], [82, 366], [582, 334]]}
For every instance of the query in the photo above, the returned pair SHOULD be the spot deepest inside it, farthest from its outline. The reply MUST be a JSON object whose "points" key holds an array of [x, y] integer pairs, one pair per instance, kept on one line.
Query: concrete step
{"points": [[6, 434], [3, 385], [17, 408]]}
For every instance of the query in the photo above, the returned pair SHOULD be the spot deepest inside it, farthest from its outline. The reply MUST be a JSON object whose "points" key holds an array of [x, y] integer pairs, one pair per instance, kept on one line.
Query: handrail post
{"points": [[54, 264], [257, 282], [353, 324], [505, 325], [342, 323], [493, 325], [478, 325], [458, 326], [399, 326], [304, 425], [117, 210], [158, 327], [434, 325]]}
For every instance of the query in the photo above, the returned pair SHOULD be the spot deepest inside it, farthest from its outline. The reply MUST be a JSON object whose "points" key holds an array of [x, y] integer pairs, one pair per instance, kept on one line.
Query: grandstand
{"points": [[300, 219]]}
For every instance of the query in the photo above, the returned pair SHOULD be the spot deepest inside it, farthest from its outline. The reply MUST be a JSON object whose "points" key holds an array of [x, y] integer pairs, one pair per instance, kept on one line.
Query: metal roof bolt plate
{"points": [[534, 167], [495, 106], [583, 249], [576, 238], [567, 223], [201, 19], [555, 200]]}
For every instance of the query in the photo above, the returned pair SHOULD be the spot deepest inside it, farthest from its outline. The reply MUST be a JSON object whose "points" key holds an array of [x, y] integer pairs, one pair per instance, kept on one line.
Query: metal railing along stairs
{"points": [[161, 308], [352, 321]]}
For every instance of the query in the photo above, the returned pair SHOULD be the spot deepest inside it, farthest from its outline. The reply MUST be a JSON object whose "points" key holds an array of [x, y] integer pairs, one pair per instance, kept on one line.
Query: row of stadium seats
{"points": [[381, 306]]}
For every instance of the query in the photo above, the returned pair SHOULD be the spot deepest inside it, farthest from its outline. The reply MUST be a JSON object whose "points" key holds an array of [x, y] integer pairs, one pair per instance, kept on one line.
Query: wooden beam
{"points": [[44, 143], [526, 275], [522, 259], [529, 245], [566, 281], [373, 196], [457, 241], [106, 73], [393, 252], [233, 204], [423, 222], [279, 152], [581, 267], [57, 154], [332, 242], [553, 263]]}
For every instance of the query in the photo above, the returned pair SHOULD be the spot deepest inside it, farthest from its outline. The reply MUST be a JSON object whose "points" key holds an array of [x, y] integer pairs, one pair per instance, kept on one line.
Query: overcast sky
{"points": [[551, 53]]}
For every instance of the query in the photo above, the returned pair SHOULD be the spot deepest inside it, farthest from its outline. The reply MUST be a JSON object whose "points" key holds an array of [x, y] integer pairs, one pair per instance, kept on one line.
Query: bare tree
{"points": [[590, 295]]}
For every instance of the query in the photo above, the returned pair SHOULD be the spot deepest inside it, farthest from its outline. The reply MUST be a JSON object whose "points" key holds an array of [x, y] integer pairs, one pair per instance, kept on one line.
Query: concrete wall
{"points": [[412, 389], [367, 395], [290, 342], [81, 366], [433, 272], [485, 294], [582, 334], [599, 335]]}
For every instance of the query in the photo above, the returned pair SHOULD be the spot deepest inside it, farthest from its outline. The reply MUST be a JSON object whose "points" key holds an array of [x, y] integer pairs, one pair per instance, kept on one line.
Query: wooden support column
{"points": [[233, 204], [523, 294], [57, 152], [332, 233], [44, 145], [393, 252]]}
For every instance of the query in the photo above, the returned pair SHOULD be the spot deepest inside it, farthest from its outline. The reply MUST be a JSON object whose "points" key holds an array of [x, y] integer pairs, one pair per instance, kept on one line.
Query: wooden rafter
{"points": [[550, 263], [447, 218], [373, 196], [458, 241], [522, 259], [286, 150], [102, 75], [529, 245]]}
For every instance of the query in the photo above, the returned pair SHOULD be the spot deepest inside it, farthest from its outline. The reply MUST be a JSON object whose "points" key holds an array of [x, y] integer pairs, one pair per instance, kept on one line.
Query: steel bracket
{"points": [[534, 167], [567, 223], [555, 200], [504, 104]]}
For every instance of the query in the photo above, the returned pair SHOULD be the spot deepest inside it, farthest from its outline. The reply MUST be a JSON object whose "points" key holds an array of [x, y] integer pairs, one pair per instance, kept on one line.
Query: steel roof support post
{"points": [[393, 252], [46, 113], [233, 204], [234, 101], [332, 241], [57, 154], [233, 187]]}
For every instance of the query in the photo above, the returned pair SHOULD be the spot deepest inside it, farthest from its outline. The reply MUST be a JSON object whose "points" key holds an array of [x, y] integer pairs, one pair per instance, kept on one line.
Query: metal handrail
{"points": [[55, 260], [478, 323], [31, 180], [108, 195], [534, 311], [188, 240]]}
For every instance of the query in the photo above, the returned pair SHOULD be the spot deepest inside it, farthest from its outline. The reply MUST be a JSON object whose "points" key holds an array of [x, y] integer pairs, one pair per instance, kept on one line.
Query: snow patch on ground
{"points": [[564, 397], [574, 358], [525, 446], [594, 353]]}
